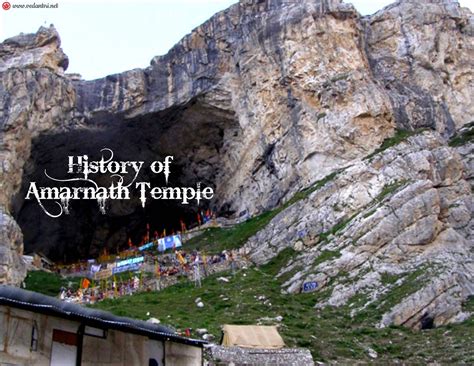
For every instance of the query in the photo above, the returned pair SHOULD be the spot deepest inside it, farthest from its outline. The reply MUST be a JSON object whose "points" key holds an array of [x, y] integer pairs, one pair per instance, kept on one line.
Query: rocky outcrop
{"points": [[403, 210], [303, 106], [34, 98], [262, 101], [421, 52], [273, 65], [33, 51]]}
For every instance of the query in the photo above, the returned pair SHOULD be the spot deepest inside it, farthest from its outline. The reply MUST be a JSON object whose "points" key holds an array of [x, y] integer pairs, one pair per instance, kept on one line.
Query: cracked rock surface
{"points": [[267, 98]]}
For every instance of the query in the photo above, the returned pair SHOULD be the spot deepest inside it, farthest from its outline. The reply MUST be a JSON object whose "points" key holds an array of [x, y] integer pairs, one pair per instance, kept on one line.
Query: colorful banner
{"points": [[102, 275], [169, 242], [130, 261], [128, 267], [95, 268], [146, 246]]}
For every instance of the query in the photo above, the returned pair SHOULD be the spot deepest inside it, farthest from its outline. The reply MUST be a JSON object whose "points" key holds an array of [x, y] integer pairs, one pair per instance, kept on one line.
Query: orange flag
{"points": [[85, 283]]}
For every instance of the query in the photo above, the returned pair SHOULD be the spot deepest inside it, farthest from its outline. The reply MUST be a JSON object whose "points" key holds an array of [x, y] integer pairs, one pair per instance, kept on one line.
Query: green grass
{"points": [[336, 228], [217, 239], [330, 333], [214, 240], [390, 188], [411, 283], [400, 136], [388, 278], [321, 115], [325, 256], [49, 283], [466, 135]]}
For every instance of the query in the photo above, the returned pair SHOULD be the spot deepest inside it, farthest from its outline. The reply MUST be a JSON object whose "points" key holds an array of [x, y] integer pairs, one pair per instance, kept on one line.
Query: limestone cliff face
{"points": [[266, 98], [311, 86], [406, 209], [34, 98]]}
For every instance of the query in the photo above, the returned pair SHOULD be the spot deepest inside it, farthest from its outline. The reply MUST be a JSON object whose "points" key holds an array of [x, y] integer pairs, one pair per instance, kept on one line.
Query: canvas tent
{"points": [[252, 336]]}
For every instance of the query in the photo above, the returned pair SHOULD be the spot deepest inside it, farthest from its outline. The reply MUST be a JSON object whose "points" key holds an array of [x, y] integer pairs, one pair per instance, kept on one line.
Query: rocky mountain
{"points": [[370, 115]]}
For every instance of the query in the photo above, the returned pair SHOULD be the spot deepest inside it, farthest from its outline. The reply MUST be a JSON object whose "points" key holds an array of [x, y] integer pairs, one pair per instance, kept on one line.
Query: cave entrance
{"points": [[193, 134]]}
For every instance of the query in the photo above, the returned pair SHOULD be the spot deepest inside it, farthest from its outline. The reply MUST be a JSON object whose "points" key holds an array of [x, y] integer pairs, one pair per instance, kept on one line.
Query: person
{"points": [[181, 260], [197, 272], [204, 264], [232, 262], [62, 294]]}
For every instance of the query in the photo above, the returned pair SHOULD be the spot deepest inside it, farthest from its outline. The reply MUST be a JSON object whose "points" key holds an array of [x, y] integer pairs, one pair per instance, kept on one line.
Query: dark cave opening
{"points": [[193, 134]]}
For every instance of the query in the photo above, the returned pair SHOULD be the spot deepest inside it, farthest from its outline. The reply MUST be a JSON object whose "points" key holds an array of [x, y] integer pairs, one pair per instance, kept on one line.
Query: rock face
{"points": [[421, 52], [406, 210], [34, 98], [261, 101]]}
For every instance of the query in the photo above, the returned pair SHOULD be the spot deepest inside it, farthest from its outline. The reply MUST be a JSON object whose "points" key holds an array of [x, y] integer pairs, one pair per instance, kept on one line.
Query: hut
{"points": [[38, 329]]}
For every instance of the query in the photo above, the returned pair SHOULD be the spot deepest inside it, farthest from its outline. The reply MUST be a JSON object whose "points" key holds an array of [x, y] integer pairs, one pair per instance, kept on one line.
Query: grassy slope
{"points": [[215, 240], [331, 334], [49, 283]]}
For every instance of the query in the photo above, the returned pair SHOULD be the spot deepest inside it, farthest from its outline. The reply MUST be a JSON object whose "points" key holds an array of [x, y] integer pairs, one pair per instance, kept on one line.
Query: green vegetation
{"points": [[321, 115], [400, 136], [325, 256], [389, 279], [49, 283], [389, 189], [466, 135], [336, 228], [338, 77], [369, 213], [330, 333], [217, 239], [411, 283]]}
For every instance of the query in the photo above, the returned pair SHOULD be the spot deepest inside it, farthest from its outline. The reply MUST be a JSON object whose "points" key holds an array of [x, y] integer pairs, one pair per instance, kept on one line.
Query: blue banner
{"points": [[130, 261], [146, 246], [169, 242], [128, 267]]}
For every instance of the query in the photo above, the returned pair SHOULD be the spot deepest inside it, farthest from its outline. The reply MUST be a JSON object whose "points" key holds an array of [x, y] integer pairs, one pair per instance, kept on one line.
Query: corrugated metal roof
{"points": [[38, 303]]}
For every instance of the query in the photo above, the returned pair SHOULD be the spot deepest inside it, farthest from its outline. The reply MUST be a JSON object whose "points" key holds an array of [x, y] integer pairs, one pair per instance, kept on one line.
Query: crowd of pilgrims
{"points": [[193, 265]]}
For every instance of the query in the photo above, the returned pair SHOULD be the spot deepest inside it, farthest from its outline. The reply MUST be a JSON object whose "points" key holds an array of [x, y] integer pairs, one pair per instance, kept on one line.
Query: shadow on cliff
{"points": [[193, 134]]}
